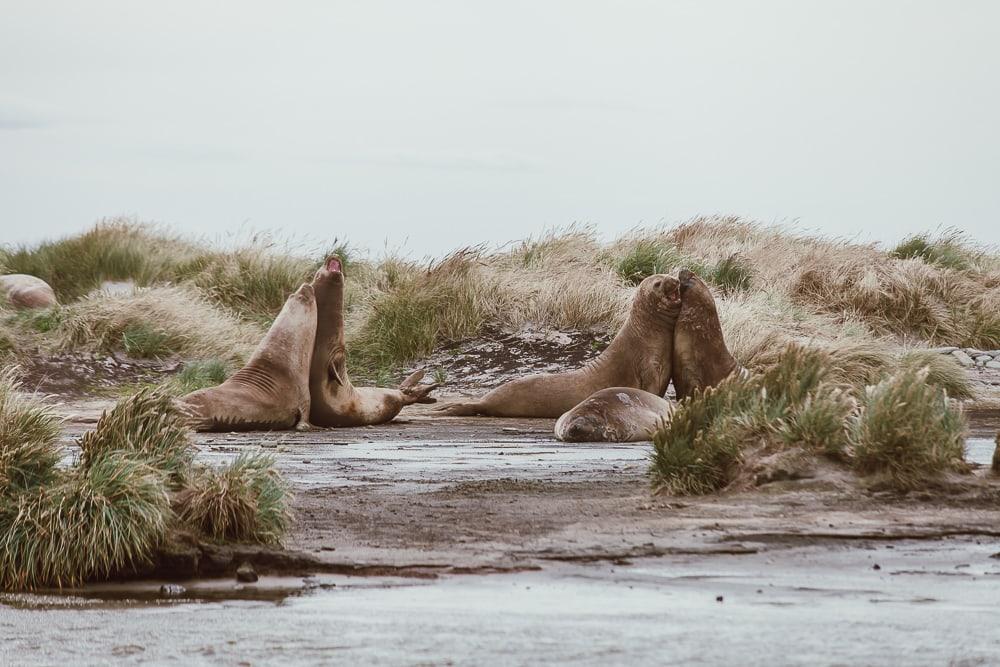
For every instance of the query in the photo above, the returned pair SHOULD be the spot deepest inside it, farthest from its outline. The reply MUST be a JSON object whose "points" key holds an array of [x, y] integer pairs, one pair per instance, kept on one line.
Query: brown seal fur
{"points": [[335, 401], [24, 291], [701, 358], [272, 391], [616, 414], [638, 357]]}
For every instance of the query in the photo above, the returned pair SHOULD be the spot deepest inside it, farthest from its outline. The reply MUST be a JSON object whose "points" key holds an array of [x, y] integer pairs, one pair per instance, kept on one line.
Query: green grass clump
{"points": [[943, 371], [647, 257], [245, 501], [29, 432], [907, 432], [148, 426], [444, 303], [902, 429], [732, 275], [695, 452], [111, 250], [92, 523], [142, 341], [199, 374], [948, 251]]}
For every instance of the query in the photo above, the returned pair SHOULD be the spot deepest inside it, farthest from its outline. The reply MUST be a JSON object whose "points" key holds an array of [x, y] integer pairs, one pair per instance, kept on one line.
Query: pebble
{"points": [[983, 358], [246, 573], [973, 352], [172, 590], [963, 358], [944, 350], [993, 364]]}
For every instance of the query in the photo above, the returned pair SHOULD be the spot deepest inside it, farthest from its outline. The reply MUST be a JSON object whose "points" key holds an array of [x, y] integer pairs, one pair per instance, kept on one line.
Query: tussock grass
{"points": [[93, 522], [148, 426], [901, 428], [114, 249], [907, 431], [996, 456], [772, 285], [950, 250], [29, 431], [156, 321], [245, 501]]}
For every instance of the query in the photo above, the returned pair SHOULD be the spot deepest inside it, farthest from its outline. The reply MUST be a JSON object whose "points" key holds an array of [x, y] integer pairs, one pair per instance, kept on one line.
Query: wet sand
{"points": [[505, 543]]}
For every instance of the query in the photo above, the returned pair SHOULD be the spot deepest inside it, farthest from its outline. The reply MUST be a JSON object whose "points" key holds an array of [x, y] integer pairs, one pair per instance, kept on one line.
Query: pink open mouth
{"points": [[333, 265]]}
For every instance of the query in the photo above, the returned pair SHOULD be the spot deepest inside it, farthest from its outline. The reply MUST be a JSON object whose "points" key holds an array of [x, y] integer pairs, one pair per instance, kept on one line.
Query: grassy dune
{"points": [[773, 286]]}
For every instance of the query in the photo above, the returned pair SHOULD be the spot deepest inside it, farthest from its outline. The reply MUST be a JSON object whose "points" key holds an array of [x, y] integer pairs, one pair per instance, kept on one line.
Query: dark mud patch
{"points": [[497, 355], [78, 374]]}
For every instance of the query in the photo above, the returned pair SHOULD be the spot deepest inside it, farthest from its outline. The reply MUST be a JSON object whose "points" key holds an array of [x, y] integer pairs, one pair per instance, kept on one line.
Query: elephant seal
{"points": [[701, 358], [335, 401], [24, 291], [638, 357], [616, 414], [272, 391]]}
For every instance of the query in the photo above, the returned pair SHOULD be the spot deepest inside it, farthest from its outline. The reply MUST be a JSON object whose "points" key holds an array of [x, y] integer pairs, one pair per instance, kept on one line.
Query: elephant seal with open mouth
{"points": [[639, 357], [24, 291], [616, 414], [701, 358], [335, 401], [272, 391]]}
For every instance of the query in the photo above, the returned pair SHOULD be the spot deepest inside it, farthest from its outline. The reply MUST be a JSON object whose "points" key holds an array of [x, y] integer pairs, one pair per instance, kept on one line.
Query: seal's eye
{"points": [[656, 284]]}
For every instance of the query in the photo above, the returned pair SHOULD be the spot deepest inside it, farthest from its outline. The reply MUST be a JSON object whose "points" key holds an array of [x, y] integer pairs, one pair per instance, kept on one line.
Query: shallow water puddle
{"points": [[819, 604]]}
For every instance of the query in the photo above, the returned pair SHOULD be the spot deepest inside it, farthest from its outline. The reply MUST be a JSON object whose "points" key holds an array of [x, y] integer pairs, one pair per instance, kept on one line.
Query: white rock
{"points": [[943, 350], [984, 358], [963, 358], [973, 352], [993, 364]]}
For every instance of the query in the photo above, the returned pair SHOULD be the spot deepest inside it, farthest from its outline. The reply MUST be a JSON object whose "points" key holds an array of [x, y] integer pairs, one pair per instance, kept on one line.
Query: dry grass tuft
{"points": [[155, 322], [29, 432], [907, 432], [91, 523], [902, 428], [245, 501], [148, 426]]}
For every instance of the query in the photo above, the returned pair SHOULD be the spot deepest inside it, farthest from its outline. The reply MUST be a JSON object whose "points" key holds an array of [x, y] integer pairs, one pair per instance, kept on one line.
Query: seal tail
{"points": [[469, 409]]}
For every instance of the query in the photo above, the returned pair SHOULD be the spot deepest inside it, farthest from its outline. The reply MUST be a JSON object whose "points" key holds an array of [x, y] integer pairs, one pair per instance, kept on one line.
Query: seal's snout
{"points": [[334, 265], [686, 278], [305, 291], [671, 288]]}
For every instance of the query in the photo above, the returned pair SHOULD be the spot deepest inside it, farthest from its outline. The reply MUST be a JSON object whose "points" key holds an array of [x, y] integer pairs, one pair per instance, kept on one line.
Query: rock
{"points": [[943, 350], [993, 353], [983, 358], [246, 573], [995, 365], [172, 590], [963, 358], [973, 352]]}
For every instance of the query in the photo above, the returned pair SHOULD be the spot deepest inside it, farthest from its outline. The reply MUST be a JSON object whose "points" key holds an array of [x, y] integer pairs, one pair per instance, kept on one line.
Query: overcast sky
{"points": [[430, 125]]}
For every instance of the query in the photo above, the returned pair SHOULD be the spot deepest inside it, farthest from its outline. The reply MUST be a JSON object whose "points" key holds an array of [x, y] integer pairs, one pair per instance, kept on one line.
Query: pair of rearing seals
{"points": [[297, 376], [638, 357], [699, 359]]}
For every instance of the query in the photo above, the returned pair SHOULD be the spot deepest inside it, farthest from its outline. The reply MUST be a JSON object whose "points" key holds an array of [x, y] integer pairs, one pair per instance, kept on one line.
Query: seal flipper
{"points": [[468, 409]]}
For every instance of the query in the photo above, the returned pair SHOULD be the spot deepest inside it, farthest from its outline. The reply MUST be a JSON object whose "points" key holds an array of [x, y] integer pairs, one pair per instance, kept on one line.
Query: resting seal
{"points": [[638, 357], [335, 401], [616, 414], [701, 358], [24, 291], [272, 391]]}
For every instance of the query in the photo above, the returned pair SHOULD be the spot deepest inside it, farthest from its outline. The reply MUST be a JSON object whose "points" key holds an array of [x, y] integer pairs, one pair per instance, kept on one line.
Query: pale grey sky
{"points": [[431, 125]]}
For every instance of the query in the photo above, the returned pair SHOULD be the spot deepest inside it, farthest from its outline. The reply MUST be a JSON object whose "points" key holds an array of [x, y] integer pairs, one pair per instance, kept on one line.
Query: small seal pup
{"points": [[616, 414], [335, 401], [638, 357], [272, 391], [701, 358], [24, 291]]}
